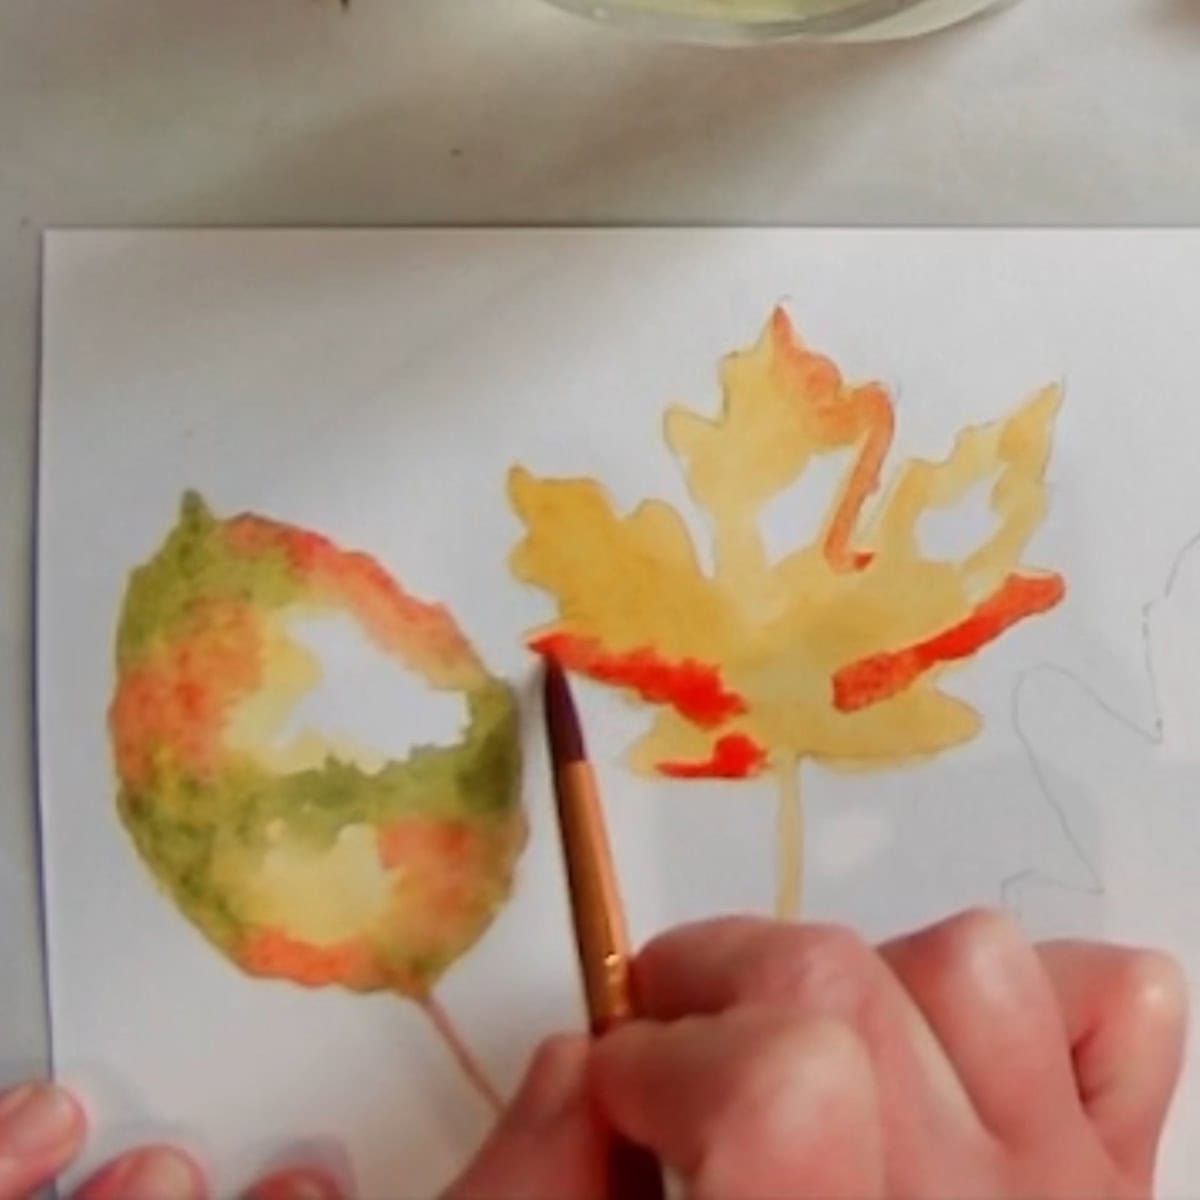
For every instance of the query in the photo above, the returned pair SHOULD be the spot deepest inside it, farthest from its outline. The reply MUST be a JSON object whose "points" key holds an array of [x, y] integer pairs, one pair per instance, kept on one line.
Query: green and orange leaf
{"points": [[302, 863]]}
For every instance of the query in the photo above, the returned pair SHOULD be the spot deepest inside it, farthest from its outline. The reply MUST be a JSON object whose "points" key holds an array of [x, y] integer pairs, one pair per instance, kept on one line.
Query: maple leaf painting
{"points": [[314, 861], [834, 652]]}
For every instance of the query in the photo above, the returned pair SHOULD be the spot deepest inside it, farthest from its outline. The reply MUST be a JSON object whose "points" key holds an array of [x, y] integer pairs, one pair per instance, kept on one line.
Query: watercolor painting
{"points": [[315, 860], [835, 652]]}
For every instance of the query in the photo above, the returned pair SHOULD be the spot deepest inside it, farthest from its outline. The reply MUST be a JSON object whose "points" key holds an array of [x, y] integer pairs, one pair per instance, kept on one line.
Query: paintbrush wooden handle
{"points": [[598, 916], [633, 1172]]}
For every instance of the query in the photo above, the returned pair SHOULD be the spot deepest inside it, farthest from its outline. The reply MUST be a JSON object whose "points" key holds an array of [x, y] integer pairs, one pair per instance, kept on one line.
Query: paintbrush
{"points": [[597, 912]]}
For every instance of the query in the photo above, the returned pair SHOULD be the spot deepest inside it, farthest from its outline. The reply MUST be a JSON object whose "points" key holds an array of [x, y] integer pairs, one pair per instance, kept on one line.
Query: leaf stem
{"points": [[789, 840], [461, 1052]]}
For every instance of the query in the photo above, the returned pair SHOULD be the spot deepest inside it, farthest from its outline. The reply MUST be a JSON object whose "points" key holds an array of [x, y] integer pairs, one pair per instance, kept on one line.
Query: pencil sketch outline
{"points": [[1152, 735]]}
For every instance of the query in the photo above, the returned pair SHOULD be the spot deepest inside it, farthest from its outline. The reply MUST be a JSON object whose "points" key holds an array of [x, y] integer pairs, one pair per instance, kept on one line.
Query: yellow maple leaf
{"points": [[832, 653]]}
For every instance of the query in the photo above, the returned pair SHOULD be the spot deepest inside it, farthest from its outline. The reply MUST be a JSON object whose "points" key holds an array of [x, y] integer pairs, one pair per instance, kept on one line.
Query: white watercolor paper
{"points": [[377, 386]]}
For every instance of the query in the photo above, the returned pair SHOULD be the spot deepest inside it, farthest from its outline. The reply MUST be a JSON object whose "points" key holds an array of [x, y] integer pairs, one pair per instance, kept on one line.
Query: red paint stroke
{"points": [[694, 689], [734, 756], [880, 676], [274, 954]]}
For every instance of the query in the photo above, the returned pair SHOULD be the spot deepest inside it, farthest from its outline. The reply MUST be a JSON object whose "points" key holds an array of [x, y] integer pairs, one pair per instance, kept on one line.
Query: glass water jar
{"points": [[764, 20]]}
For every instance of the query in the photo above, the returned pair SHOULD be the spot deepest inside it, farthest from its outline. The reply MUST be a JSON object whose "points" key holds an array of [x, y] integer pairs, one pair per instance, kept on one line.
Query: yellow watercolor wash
{"points": [[323, 896]]}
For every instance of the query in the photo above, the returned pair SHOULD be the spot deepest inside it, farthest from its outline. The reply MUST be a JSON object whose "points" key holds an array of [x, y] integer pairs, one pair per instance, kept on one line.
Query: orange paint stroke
{"points": [[694, 689], [874, 410], [274, 954], [417, 842], [177, 699], [734, 756], [881, 676], [398, 621], [439, 862], [839, 416]]}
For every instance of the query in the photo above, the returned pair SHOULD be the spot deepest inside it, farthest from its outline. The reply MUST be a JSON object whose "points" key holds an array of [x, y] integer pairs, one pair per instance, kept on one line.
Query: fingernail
{"points": [[35, 1119], [156, 1173], [297, 1184]]}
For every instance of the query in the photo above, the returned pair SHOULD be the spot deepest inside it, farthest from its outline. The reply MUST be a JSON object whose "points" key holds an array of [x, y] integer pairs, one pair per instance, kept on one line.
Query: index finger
{"points": [[816, 971]]}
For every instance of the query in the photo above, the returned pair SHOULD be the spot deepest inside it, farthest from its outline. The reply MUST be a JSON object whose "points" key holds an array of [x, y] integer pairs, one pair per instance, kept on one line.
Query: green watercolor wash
{"points": [[197, 562], [199, 835], [204, 837]]}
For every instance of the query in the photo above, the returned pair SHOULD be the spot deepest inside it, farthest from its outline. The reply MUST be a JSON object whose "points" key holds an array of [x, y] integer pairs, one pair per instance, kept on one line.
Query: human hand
{"points": [[795, 1061], [42, 1128]]}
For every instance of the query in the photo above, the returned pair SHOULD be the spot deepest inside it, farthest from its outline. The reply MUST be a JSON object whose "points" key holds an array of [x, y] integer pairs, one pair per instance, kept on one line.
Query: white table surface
{"points": [[176, 112]]}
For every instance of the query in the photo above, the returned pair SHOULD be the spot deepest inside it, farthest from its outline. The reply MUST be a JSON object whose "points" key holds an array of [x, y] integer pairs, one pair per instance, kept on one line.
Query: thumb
{"points": [[41, 1130], [548, 1145]]}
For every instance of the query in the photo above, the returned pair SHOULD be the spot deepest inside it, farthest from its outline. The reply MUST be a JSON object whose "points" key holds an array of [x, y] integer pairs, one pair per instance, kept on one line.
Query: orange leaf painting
{"points": [[318, 862], [836, 651]]}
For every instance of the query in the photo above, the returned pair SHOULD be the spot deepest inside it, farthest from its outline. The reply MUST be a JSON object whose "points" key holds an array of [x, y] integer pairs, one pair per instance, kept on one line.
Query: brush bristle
{"points": [[562, 718]]}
